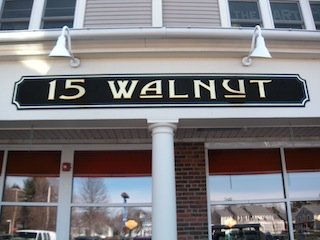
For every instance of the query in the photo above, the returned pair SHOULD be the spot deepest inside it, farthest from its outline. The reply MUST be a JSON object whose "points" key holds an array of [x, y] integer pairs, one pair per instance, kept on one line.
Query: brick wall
{"points": [[191, 191]]}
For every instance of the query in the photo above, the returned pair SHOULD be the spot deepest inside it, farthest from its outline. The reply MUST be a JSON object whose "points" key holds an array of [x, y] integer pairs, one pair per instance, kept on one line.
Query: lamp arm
{"points": [[256, 33], [66, 32]]}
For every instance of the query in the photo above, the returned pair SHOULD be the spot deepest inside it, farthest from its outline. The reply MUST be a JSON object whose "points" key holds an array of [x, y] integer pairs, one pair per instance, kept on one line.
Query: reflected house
{"points": [[240, 214], [269, 220], [221, 216], [308, 218], [253, 214]]}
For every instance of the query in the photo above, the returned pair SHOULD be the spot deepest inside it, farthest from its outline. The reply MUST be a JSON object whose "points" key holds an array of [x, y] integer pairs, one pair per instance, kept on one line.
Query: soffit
{"points": [[143, 135]]}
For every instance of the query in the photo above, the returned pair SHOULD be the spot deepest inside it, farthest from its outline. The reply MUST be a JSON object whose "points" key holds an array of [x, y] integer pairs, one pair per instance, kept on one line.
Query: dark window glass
{"points": [[59, 13], [287, 15], [315, 8], [16, 14], [244, 13]]}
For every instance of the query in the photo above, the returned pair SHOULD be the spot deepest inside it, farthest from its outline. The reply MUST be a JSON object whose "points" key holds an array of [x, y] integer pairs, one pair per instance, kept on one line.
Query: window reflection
{"points": [[104, 178], [249, 222], [108, 223], [17, 218], [258, 186], [101, 176], [108, 190], [306, 219], [245, 174], [303, 167], [32, 177]]}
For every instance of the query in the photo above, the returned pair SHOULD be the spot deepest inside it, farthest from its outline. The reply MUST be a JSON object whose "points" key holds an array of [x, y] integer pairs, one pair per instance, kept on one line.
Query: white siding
{"points": [[118, 13], [191, 13]]}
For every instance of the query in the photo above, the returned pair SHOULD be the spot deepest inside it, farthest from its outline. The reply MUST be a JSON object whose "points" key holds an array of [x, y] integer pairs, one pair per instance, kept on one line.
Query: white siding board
{"points": [[191, 13], [118, 13]]}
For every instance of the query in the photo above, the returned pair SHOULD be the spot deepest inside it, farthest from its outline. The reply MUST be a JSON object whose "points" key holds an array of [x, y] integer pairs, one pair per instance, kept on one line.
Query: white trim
{"points": [[286, 193], [79, 14], [65, 193], [157, 13], [307, 14], [36, 14], [159, 33], [115, 205], [266, 13], [224, 13]]}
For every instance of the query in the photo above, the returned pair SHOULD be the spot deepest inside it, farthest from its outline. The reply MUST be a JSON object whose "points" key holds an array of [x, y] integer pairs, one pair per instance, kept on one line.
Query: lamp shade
{"points": [[60, 49], [260, 49]]}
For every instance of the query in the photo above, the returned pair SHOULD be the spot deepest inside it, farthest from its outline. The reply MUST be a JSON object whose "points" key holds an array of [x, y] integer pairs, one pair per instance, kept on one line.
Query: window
{"points": [[31, 190], [58, 13], [287, 15], [247, 193], [245, 174], [241, 176], [111, 194], [16, 14], [244, 13], [315, 8]]}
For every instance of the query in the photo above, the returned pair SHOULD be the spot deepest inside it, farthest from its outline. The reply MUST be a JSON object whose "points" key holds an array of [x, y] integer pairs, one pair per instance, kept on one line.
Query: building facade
{"points": [[157, 127]]}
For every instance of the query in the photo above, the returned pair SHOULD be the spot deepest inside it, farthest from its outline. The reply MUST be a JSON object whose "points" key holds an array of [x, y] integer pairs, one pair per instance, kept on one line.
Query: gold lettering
{"points": [[241, 93], [122, 92], [211, 88], [153, 87], [261, 86], [172, 91]]}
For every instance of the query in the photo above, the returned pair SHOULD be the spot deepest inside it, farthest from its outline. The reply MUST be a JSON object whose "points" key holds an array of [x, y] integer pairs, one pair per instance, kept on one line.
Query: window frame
{"points": [[13, 20], [249, 21], [298, 4], [64, 204], [266, 14], [315, 22]]}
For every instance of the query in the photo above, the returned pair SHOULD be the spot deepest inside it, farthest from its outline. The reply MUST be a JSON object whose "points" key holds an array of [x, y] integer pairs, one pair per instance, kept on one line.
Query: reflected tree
{"points": [[38, 190], [92, 220]]}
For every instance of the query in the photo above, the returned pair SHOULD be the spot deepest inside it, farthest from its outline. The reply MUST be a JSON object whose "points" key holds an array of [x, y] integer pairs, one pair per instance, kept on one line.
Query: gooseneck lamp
{"points": [[258, 47], [63, 48]]}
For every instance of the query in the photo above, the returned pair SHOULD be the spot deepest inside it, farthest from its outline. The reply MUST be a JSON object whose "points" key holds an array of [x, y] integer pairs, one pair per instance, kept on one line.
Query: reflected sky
{"points": [[263, 186], [138, 188], [305, 184], [245, 187]]}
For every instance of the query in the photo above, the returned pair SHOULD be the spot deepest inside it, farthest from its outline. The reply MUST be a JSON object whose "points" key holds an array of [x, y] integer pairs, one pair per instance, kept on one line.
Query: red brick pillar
{"points": [[192, 217]]}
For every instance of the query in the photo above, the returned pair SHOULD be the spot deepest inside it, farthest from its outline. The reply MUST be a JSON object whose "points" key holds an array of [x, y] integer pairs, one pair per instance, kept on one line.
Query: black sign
{"points": [[205, 90]]}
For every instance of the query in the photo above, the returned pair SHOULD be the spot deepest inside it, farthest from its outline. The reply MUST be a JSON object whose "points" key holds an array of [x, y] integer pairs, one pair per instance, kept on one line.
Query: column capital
{"points": [[162, 127]]}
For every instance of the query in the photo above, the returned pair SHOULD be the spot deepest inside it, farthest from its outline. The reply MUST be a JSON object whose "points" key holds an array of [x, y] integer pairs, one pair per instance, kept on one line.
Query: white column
{"points": [[164, 214]]}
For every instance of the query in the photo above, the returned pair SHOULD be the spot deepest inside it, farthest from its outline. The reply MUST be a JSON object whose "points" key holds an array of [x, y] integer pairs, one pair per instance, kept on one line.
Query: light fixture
{"points": [[63, 48], [258, 47]]}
